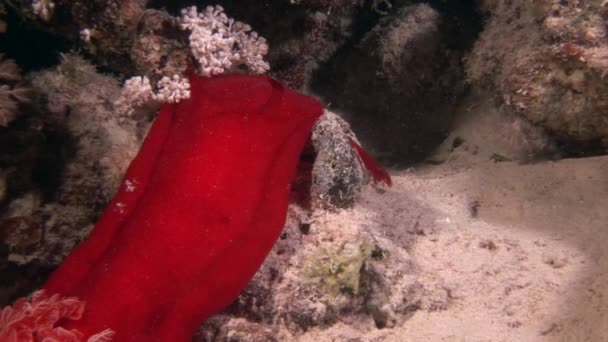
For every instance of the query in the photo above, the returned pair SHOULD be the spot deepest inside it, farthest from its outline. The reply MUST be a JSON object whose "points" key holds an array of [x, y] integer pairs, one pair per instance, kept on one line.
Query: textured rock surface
{"points": [[156, 51], [94, 150], [104, 28], [548, 62], [346, 266], [337, 174]]}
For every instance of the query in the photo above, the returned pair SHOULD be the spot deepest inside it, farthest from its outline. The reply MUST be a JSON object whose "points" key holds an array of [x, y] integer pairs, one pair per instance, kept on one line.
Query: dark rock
{"points": [[396, 85]]}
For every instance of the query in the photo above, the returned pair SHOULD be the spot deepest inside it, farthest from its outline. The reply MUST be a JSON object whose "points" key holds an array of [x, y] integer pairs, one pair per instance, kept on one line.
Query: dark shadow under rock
{"points": [[396, 87]]}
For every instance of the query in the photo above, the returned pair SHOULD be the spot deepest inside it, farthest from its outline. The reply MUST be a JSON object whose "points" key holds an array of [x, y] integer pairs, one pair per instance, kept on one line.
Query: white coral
{"points": [[220, 43], [217, 42], [136, 92], [173, 89]]}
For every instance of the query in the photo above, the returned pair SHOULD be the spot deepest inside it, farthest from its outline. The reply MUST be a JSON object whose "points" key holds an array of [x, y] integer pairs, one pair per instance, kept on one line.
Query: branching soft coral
{"points": [[218, 43]]}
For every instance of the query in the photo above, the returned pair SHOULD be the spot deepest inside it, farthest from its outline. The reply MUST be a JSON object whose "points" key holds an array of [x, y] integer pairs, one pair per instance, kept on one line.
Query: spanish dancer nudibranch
{"points": [[198, 211]]}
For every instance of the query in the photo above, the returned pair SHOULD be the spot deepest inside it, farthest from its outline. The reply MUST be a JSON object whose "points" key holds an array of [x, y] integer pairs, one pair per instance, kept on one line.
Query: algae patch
{"points": [[338, 270]]}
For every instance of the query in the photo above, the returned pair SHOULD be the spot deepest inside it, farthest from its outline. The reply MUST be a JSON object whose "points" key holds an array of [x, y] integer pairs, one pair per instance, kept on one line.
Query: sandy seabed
{"points": [[520, 248]]}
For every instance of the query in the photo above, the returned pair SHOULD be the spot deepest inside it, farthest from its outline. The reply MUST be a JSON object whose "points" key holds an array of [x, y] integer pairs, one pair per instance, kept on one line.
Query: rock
{"points": [[337, 174], [235, 330], [156, 52], [101, 147], [553, 72], [394, 86], [350, 268]]}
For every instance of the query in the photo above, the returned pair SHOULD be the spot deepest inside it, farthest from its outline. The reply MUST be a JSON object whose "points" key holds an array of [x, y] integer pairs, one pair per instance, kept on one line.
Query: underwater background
{"points": [[490, 116]]}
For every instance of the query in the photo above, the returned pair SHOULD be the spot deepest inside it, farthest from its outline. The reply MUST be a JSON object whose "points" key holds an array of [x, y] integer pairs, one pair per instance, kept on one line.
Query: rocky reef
{"points": [[421, 84]]}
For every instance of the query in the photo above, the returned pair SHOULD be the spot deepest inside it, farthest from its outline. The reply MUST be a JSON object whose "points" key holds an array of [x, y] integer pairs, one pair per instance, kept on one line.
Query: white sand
{"points": [[532, 266], [520, 249]]}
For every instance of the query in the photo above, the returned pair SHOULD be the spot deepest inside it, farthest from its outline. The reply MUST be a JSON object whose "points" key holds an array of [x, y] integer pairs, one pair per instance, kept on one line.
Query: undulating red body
{"points": [[198, 211]]}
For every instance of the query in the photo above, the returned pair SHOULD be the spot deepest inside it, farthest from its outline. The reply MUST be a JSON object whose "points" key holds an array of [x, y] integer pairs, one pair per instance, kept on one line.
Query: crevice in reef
{"points": [[462, 22], [399, 75], [34, 158], [32, 48]]}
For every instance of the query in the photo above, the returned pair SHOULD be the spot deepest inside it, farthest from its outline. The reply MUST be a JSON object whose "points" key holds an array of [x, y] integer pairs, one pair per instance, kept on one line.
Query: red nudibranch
{"points": [[198, 211]]}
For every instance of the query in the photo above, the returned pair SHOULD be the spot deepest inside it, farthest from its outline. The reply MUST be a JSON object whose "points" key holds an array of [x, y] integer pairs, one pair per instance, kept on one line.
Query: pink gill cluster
{"points": [[36, 320]]}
